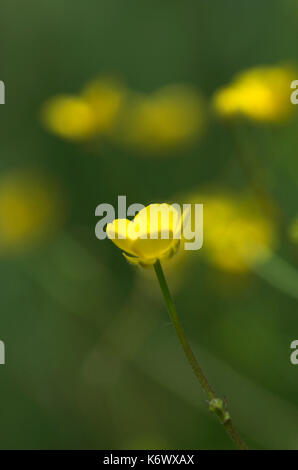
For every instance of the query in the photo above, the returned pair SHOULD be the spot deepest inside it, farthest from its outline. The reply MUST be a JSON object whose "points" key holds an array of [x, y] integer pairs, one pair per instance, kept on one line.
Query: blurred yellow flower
{"points": [[106, 97], [149, 236], [30, 207], [237, 232], [293, 230], [261, 94], [70, 117], [80, 117], [169, 118]]}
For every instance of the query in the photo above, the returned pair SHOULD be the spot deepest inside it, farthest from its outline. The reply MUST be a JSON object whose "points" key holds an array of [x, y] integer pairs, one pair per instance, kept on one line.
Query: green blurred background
{"points": [[91, 358]]}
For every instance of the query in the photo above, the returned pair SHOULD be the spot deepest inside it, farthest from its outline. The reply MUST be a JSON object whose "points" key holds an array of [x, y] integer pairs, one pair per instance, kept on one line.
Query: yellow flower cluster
{"points": [[30, 207], [238, 232], [260, 94], [171, 117]]}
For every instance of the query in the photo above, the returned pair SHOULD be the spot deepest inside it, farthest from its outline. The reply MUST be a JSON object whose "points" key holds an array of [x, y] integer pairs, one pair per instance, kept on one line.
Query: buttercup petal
{"points": [[118, 232], [156, 221], [152, 248]]}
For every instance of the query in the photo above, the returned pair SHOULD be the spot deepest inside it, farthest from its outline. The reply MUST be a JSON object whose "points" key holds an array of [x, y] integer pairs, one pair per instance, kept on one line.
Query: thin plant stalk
{"points": [[216, 405], [279, 274]]}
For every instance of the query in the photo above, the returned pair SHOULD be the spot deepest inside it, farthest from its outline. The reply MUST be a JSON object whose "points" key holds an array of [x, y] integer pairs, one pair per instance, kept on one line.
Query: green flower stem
{"points": [[279, 274], [216, 405], [248, 160]]}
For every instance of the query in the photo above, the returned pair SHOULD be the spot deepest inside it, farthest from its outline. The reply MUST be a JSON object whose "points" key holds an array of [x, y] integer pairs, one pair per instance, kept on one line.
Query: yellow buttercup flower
{"points": [[70, 117], [106, 97], [237, 232], [30, 207], [169, 118], [152, 235], [261, 94]]}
